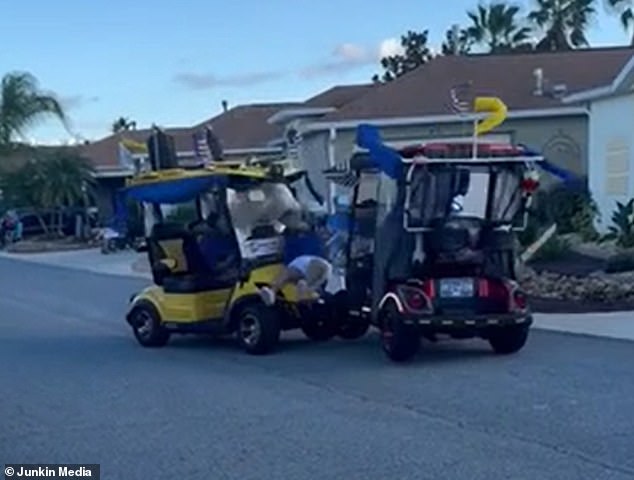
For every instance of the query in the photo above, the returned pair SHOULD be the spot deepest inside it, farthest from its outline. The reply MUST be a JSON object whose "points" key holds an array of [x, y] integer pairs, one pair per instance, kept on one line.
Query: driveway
{"points": [[78, 389]]}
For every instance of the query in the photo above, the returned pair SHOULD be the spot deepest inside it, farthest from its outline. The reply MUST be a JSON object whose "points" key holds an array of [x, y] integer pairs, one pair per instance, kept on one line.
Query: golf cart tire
{"points": [[348, 327], [400, 342], [353, 329], [319, 329], [319, 322], [264, 326], [156, 335], [508, 340]]}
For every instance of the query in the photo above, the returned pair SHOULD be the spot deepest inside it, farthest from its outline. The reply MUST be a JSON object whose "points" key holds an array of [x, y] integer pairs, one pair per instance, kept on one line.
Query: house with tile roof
{"points": [[610, 141], [418, 105], [244, 131]]}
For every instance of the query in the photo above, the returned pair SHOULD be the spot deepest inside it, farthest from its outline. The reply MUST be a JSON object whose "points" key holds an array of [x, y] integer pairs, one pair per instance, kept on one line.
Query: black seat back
{"points": [[173, 241]]}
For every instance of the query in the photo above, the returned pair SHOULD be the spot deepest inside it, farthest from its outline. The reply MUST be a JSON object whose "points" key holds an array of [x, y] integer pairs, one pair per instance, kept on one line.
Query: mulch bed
{"points": [[576, 265]]}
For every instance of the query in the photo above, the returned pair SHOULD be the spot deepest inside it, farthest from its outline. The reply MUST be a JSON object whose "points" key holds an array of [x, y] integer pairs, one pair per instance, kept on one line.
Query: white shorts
{"points": [[315, 270]]}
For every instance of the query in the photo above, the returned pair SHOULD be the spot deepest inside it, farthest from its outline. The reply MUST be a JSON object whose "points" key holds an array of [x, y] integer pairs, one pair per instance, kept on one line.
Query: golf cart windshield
{"points": [[259, 213], [490, 192]]}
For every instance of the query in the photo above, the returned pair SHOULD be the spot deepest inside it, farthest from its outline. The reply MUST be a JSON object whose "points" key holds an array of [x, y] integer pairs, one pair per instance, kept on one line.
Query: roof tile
{"points": [[425, 91]]}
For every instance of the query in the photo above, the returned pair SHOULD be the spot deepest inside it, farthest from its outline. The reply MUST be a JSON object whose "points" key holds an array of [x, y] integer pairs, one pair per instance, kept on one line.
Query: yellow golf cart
{"points": [[207, 272]]}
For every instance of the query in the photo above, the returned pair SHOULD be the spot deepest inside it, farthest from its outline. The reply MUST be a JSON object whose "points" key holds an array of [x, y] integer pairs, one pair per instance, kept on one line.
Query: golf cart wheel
{"points": [[318, 323], [400, 342], [353, 329], [258, 328], [147, 328], [508, 340], [348, 326]]}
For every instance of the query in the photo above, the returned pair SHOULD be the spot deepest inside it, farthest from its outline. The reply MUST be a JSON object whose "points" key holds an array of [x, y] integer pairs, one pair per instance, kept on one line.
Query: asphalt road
{"points": [[76, 388]]}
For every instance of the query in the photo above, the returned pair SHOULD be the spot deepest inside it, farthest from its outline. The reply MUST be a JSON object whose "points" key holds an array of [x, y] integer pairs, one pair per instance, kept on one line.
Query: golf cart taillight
{"points": [[414, 298], [492, 289], [520, 300], [429, 289], [483, 287]]}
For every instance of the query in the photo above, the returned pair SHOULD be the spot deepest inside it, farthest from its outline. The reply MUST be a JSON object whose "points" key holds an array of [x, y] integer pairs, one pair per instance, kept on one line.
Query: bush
{"points": [[183, 214], [528, 235], [622, 228], [570, 206], [554, 249], [621, 262]]}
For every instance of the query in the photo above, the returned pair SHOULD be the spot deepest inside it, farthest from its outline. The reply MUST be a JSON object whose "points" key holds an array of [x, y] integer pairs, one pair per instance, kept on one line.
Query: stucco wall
{"points": [[562, 139], [611, 125]]}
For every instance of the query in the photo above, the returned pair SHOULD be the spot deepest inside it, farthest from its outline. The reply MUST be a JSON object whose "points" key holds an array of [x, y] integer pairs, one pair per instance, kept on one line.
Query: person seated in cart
{"points": [[217, 245], [305, 261]]}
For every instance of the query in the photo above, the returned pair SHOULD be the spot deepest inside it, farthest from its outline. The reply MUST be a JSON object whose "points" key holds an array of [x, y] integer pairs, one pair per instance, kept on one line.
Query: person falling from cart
{"points": [[305, 261]]}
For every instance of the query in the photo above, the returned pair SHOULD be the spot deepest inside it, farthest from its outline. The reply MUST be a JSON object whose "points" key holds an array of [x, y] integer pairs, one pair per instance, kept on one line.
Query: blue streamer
{"points": [[565, 175], [387, 159]]}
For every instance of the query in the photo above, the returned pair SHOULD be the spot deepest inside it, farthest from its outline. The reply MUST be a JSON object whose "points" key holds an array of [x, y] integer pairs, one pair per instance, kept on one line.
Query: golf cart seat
{"points": [[453, 234], [177, 263]]}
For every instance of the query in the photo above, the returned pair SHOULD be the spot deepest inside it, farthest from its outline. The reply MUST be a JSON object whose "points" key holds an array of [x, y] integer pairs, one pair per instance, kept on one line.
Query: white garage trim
{"points": [[439, 119]]}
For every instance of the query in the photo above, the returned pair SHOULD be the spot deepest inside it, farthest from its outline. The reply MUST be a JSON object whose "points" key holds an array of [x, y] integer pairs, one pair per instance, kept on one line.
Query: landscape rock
{"points": [[597, 287]]}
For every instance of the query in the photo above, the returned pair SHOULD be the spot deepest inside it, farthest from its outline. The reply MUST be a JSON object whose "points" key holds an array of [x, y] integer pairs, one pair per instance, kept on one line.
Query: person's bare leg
{"points": [[287, 275]]}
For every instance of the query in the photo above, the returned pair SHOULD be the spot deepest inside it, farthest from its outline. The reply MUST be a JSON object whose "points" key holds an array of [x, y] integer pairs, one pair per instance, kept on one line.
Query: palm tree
{"points": [[457, 42], [564, 23], [69, 181], [122, 124], [52, 180], [625, 10], [22, 105], [496, 26]]}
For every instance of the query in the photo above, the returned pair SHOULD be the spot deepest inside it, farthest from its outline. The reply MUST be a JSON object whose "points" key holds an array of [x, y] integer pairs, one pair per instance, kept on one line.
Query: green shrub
{"points": [[529, 235], [183, 214], [621, 262], [554, 249], [622, 228], [570, 206]]}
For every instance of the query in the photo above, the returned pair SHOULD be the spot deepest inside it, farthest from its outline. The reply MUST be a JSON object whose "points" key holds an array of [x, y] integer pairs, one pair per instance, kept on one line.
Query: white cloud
{"points": [[351, 52], [346, 57], [390, 47]]}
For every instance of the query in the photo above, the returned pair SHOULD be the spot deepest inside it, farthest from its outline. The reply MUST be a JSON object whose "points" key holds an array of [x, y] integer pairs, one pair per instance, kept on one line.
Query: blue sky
{"points": [[173, 63]]}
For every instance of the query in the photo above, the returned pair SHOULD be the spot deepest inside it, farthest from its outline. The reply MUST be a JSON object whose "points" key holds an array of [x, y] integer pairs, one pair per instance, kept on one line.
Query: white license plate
{"points": [[456, 287]]}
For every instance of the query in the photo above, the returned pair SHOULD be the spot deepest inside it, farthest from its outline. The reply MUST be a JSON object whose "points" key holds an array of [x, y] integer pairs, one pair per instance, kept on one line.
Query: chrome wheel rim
{"points": [[250, 330], [144, 324]]}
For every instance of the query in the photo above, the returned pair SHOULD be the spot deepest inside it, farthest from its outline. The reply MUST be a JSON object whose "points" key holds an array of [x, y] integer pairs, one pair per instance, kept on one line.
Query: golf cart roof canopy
{"points": [[174, 186]]}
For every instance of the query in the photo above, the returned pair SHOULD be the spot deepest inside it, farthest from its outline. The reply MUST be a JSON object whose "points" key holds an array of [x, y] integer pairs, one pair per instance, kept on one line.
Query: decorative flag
{"points": [[457, 103], [201, 148]]}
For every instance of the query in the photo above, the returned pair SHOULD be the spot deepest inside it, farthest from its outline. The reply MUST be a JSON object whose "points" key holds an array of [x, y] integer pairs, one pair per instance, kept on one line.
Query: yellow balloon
{"points": [[497, 113]]}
